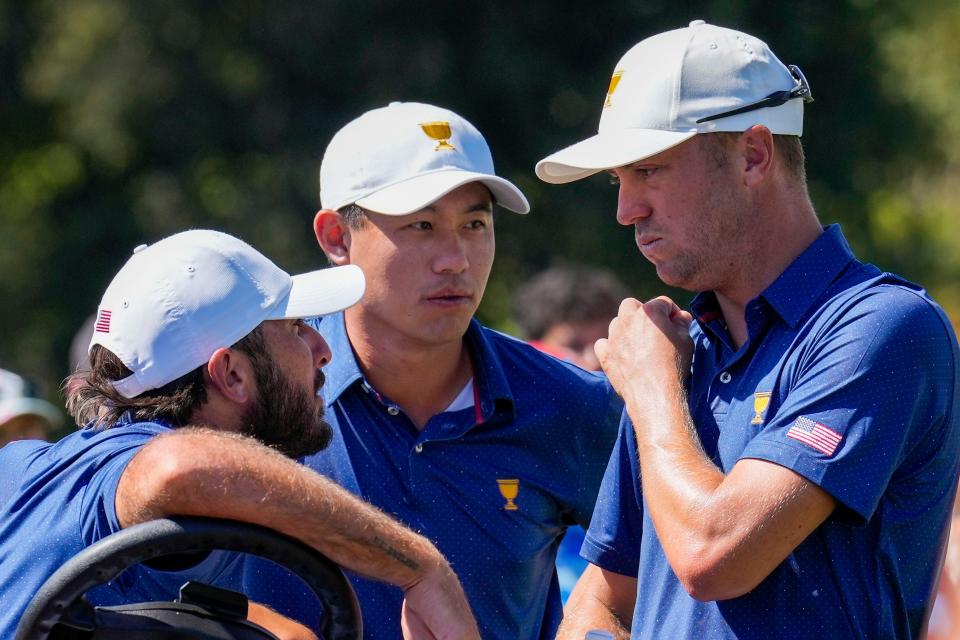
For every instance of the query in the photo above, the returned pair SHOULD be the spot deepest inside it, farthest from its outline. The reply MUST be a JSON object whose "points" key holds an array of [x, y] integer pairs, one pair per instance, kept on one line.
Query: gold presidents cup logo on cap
{"points": [[439, 131], [614, 81]]}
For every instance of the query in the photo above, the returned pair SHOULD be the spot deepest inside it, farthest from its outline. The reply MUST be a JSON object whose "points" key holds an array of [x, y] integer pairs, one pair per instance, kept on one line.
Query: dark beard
{"points": [[284, 417]]}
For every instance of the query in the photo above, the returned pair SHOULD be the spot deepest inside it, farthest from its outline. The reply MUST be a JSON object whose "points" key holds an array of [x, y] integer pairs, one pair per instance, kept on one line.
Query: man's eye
{"points": [[477, 224], [421, 225], [646, 172]]}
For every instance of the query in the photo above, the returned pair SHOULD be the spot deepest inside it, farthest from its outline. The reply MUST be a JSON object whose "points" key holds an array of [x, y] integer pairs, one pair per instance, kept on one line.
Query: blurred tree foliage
{"points": [[125, 120]]}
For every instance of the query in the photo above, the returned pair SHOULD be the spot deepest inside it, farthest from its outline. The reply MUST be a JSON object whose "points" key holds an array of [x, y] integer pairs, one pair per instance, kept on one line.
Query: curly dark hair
{"points": [[92, 400], [566, 294]]}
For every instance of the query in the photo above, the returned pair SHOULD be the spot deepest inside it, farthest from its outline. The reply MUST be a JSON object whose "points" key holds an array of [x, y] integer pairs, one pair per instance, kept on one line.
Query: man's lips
{"points": [[647, 240], [449, 296]]}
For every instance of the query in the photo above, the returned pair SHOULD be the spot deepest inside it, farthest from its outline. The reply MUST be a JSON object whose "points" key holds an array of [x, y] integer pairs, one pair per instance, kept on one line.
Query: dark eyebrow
{"points": [[486, 207]]}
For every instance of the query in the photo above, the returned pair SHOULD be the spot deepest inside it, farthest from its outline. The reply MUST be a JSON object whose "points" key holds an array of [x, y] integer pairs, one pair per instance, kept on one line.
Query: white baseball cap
{"points": [[674, 85], [17, 398], [177, 301], [400, 158]]}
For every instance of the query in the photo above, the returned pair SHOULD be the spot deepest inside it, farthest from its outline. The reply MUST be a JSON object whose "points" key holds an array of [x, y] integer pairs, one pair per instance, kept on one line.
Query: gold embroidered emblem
{"points": [[439, 131], [761, 400], [509, 489], [614, 81]]}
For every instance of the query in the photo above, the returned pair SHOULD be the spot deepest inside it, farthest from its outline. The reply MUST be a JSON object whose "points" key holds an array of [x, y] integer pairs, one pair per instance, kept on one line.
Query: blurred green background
{"points": [[122, 121]]}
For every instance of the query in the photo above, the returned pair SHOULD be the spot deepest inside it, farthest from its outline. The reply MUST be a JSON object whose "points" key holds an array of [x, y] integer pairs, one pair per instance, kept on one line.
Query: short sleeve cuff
{"points": [[608, 558]]}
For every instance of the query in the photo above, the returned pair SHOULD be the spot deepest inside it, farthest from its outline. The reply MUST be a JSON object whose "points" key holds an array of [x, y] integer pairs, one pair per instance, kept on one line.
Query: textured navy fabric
{"points": [[869, 358], [57, 499], [542, 422]]}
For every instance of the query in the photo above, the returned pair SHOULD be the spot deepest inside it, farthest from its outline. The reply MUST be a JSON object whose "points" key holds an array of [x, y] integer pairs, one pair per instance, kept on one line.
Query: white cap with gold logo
{"points": [[400, 158], [674, 85]]}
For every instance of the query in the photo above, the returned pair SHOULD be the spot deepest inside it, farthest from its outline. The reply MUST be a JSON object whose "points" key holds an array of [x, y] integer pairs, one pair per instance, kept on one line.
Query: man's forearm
{"points": [[722, 534], [282, 627], [680, 478], [206, 473], [600, 600]]}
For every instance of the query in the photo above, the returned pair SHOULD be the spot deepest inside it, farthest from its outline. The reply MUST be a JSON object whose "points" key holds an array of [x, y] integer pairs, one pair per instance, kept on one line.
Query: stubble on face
{"points": [[716, 238]]}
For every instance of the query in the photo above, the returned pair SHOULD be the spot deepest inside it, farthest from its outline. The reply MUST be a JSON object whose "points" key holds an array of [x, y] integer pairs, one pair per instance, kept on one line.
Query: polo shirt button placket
{"points": [[393, 410], [725, 377], [419, 447]]}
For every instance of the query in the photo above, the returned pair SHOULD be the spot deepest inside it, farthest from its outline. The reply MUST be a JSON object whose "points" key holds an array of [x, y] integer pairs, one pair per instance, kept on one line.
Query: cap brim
{"points": [[416, 193], [607, 151], [319, 293], [14, 407]]}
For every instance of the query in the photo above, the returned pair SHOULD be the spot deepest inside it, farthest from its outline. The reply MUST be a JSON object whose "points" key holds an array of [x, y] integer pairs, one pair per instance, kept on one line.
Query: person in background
{"points": [[23, 415], [945, 617], [564, 310]]}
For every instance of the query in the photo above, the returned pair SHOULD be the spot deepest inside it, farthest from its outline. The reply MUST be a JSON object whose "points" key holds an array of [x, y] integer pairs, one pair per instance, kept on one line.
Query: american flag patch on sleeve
{"points": [[820, 437]]}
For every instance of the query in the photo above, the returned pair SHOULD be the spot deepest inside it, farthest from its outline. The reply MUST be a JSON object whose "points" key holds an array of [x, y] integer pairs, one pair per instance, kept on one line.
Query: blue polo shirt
{"points": [[849, 378], [494, 486], [57, 499]]}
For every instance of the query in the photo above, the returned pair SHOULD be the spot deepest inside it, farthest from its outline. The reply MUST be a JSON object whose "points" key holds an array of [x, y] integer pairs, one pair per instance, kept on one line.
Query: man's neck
{"points": [[423, 379], [772, 252]]}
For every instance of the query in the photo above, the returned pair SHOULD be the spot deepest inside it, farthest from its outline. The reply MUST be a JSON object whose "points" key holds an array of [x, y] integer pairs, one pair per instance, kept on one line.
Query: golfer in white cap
{"points": [[796, 480], [202, 371], [487, 446]]}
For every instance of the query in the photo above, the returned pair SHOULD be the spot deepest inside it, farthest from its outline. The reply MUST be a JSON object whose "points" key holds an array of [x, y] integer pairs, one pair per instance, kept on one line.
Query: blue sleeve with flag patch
{"points": [[865, 401]]}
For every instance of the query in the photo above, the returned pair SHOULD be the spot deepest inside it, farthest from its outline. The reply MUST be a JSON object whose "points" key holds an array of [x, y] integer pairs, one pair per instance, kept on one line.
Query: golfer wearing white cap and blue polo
{"points": [[795, 481], [487, 446], [200, 362]]}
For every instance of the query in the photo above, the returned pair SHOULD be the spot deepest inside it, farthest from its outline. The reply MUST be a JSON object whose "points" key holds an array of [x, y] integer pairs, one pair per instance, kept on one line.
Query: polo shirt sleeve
{"points": [[106, 457], [871, 387], [613, 540]]}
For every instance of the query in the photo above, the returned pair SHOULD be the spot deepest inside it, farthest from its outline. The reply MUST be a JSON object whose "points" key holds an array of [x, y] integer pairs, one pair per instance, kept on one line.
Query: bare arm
{"points": [[207, 473], [722, 535], [601, 600], [282, 627]]}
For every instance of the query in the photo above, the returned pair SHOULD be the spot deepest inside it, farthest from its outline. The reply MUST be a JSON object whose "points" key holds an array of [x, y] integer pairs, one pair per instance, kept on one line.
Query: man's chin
{"points": [[316, 441]]}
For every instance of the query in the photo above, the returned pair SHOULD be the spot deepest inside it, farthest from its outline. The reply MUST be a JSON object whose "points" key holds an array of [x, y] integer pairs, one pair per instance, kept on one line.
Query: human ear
{"points": [[333, 236], [756, 147], [231, 375]]}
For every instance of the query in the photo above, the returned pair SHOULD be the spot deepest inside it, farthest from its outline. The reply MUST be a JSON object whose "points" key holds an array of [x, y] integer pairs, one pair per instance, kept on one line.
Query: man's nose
{"points": [[318, 347], [451, 255], [631, 205]]}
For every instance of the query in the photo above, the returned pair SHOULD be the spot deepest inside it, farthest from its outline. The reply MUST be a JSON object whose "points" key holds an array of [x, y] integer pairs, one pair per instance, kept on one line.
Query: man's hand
{"points": [[436, 608], [647, 345]]}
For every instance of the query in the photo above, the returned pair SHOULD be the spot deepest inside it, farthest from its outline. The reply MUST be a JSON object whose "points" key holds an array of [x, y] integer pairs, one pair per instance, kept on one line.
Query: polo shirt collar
{"points": [[344, 369], [491, 381], [801, 284], [799, 287]]}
